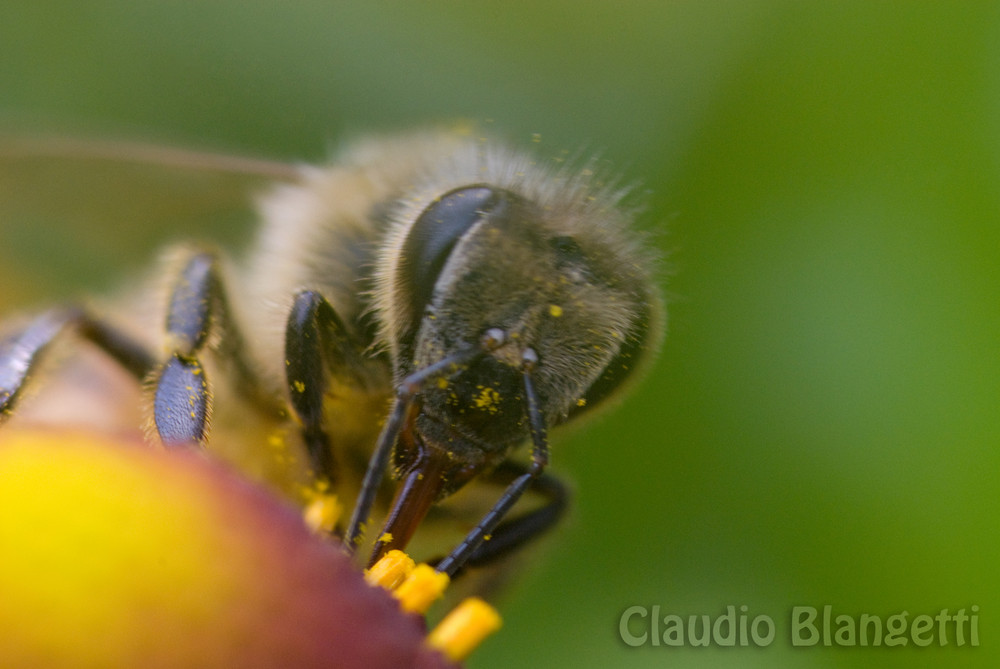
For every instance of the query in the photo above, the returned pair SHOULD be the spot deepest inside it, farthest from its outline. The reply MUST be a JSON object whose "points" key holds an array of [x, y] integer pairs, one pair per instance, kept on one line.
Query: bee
{"points": [[423, 306]]}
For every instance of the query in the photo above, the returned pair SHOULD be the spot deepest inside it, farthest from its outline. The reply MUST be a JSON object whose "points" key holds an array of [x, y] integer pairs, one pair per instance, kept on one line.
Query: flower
{"points": [[115, 554]]}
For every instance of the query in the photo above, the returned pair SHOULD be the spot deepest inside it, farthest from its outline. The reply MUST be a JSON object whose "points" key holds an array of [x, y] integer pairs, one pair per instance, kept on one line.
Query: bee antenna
{"points": [[536, 422], [539, 459]]}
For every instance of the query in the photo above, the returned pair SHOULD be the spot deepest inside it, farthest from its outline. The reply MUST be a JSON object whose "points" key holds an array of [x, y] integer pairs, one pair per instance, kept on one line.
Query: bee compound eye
{"points": [[433, 236]]}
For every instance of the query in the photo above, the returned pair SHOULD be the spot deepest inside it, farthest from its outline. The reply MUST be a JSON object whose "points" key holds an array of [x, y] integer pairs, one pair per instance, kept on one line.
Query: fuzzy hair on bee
{"points": [[423, 305]]}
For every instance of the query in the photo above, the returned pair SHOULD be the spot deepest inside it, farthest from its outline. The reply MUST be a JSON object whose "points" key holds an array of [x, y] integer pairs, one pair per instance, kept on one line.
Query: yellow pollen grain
{"points": [[385, 538], [277, 444], [582, 402], [555, 310], [442, 383], [276, 440], [462, 630], [299, 386], [487, 399]]}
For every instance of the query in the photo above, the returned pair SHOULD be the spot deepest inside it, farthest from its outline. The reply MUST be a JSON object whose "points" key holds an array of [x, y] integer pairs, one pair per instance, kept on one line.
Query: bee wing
{"points": [[79, 217], [75, 213]]}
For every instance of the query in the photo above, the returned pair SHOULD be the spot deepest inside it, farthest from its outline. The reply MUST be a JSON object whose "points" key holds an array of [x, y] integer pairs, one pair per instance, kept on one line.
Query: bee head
{"points": [[559, 287]]}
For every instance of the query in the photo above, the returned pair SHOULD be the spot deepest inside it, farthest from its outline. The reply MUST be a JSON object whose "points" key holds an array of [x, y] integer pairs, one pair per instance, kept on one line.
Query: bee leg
{"points": [[406, 391], [22, 352], [196, 307], [317, 344], [511, 535], [465, 550], [539, 459]]}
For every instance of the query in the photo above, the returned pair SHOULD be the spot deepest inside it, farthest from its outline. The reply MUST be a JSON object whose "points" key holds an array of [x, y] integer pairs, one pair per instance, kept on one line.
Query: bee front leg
{"points": [[22, 352], [196, 308], [511, 535]]}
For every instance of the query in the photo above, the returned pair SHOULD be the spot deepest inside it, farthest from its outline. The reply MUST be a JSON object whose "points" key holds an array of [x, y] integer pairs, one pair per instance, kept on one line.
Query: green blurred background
{"points": [[822, 425]]}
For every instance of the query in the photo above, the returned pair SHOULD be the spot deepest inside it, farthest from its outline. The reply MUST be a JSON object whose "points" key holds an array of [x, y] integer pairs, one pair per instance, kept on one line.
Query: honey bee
{"points": [[422, 306]]}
